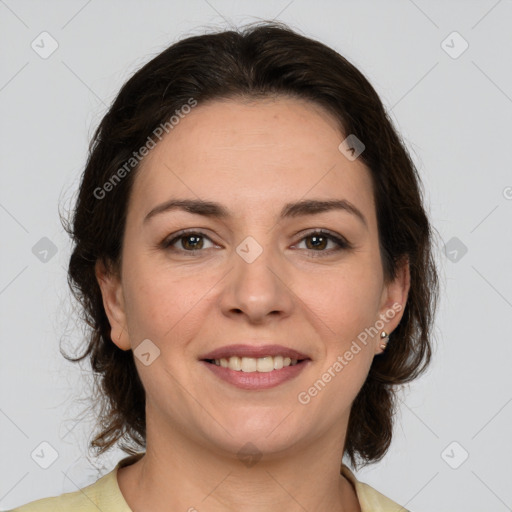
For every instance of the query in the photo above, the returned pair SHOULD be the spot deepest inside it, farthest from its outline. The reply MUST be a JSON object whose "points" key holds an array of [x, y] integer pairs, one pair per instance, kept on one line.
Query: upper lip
{"points": [[253, 351]]}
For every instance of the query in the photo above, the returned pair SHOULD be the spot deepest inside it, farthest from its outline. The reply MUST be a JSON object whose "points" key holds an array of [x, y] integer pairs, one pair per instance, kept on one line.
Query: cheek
{"points": [[162, 305], [346, 299]]}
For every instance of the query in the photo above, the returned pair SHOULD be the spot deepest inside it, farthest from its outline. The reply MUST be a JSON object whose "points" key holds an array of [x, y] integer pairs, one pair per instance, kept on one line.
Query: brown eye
{"points": [[318, 241], [191, 242], [186, 242]]}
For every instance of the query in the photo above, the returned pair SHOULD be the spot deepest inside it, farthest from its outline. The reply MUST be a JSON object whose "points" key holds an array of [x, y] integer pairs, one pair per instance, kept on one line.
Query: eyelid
{"points": [[341, 242], [174, 237]]}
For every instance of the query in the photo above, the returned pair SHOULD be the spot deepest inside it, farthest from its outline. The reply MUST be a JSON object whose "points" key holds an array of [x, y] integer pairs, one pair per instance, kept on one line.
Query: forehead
{"points": [[252, 154]]}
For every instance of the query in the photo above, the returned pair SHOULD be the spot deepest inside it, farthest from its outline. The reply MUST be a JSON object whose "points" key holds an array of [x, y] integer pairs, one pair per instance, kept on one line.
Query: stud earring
{"points": [[384, 336]]}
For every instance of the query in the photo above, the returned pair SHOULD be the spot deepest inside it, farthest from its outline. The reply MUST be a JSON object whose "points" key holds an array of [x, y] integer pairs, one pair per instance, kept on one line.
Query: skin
{"points": [[252, 157]]}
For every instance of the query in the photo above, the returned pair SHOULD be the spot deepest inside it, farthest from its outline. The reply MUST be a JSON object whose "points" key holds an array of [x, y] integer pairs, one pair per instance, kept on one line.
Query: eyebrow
{"points": [[289, 210]]}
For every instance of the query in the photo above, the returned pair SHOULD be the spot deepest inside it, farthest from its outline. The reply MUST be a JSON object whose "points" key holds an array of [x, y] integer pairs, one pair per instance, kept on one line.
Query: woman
{"points": [[253, 256]]}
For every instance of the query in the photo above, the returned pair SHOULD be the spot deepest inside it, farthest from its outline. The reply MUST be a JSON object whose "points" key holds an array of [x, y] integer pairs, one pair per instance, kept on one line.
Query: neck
{"points": [[178, 473]]}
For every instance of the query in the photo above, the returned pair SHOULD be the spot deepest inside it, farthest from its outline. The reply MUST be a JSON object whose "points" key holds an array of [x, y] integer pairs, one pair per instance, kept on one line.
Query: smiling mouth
{"points": [[251, 364]]}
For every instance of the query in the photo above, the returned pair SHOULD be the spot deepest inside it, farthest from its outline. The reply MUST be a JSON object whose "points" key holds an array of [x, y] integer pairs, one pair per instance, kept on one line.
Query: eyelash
{"points": [[341, 242]]}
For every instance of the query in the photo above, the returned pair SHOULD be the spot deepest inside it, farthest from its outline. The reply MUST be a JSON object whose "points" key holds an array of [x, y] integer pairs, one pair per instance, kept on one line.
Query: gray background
{"points": [[454, 112]]}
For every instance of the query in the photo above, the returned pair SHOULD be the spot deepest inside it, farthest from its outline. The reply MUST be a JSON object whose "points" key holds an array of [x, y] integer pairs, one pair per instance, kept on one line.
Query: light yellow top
{"points": [[105, 495]]}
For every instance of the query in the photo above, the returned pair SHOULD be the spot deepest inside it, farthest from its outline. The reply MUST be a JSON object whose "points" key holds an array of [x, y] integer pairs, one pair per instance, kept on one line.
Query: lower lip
{"points": [[257, 380]]}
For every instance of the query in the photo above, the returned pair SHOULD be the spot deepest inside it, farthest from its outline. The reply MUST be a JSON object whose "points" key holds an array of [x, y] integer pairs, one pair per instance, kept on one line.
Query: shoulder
{"points": [[90, 498], [104, 494], [369, 498]]}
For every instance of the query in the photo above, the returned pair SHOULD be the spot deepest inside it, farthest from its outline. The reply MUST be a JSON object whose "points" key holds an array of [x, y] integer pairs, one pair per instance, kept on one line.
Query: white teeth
{"points": [[264, 364], [278, 362], [252, 364], [249, 364]]}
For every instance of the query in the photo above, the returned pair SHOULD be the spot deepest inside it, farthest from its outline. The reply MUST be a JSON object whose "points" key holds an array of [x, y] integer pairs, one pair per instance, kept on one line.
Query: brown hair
{"points": [[265, 59]]}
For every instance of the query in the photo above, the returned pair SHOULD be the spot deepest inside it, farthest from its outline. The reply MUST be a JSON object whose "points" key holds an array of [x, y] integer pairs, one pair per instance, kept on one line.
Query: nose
{"points": [[259, 286]]}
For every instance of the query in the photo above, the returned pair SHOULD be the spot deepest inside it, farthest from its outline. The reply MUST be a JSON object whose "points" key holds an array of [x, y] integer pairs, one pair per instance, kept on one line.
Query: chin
{"points": [[262, 434]]}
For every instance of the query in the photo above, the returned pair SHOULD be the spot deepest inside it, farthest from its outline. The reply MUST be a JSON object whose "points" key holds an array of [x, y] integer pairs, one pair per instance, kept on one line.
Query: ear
{"points": [[394, 300], [113, 302]]}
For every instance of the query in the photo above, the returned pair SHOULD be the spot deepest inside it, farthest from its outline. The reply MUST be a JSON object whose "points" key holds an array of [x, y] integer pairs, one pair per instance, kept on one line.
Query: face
{"points": [[265, 273]]}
